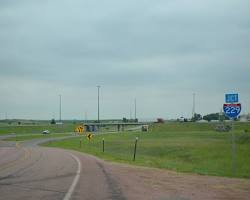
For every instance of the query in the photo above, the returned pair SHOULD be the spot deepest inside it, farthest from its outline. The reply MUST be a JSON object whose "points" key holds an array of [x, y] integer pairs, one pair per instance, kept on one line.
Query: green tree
{"points": [[196, 117], [53, 121], [215, 116]]}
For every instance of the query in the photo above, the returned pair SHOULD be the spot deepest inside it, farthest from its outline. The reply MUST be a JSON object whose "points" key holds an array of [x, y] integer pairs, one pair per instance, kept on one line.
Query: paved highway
{"points": [[31, 172]]}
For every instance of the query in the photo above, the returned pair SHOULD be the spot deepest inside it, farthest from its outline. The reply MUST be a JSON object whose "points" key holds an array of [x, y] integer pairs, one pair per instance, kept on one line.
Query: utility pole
{"points": [[135, 109], [193, 110], [98, 106], [85, 116], [130, 113], [60, 108]]}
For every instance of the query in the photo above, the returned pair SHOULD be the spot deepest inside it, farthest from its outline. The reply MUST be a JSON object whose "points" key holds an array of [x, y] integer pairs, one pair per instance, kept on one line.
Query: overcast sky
{"points": [[159, 52]]}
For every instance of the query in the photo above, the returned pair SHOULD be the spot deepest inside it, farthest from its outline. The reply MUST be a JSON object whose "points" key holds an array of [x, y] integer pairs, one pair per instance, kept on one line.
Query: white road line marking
{"points": [[75, 181]]}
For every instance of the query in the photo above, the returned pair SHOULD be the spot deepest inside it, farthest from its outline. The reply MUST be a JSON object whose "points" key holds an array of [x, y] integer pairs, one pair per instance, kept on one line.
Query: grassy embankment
{"points": [[184, 147], [34, 129], [37, 136], [28, 132]]}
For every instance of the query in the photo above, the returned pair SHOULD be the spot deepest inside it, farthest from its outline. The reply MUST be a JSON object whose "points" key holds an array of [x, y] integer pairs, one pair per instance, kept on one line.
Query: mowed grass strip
{"points": [[202, 152], [36, 136], [25, 129]]}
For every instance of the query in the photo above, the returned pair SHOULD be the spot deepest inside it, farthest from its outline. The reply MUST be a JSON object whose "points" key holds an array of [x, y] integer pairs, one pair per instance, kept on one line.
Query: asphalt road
{"points": [[28, 171], [31, 172]]}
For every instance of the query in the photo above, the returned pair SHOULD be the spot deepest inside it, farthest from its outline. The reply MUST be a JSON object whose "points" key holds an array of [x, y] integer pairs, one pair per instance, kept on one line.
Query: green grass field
{"points": [[184, 147], [36, 136], [29, 129]]}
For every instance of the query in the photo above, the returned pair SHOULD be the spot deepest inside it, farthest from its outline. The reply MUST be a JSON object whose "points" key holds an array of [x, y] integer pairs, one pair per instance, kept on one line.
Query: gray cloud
{"points": [[160, 52]]}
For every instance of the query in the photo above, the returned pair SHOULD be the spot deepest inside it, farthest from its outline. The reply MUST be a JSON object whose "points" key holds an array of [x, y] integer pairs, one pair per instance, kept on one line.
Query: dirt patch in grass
{"points": [[148, 183]]}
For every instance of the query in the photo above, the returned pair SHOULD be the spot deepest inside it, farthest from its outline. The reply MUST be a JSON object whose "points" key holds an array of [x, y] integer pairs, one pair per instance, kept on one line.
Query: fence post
{"points": [[102, 144], [136, 139]]}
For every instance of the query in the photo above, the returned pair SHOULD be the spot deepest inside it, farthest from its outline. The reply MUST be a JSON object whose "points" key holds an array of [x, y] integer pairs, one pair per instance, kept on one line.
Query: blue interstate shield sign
{"points": [[232, 110]]}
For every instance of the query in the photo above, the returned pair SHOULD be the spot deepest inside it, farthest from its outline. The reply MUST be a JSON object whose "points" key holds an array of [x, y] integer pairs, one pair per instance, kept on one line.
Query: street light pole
{"points": [[98, 106], [135, 109], [193, 109], [60, 107]]}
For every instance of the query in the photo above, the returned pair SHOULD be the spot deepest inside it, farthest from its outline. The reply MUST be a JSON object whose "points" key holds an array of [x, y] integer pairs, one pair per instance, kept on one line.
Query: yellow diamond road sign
{"points": [[89, 136], [79, 129]]}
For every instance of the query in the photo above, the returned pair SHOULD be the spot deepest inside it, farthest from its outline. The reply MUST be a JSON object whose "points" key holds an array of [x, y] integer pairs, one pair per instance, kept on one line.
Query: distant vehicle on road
{"points": [[46, 132]]}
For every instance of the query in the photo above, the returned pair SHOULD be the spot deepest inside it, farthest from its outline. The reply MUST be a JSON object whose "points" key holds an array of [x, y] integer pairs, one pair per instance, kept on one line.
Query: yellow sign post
{"points": [[89, 136]]}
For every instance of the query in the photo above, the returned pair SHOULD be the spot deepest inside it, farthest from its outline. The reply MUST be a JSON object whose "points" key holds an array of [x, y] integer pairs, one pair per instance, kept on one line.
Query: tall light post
{"points": [[85, 116], [193, 109], [135, 109], [98, 105], [60, 107], [130, 114]]}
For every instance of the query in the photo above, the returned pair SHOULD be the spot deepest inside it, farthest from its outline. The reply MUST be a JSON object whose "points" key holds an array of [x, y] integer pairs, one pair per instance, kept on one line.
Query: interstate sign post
{"points": [[232, 108]]}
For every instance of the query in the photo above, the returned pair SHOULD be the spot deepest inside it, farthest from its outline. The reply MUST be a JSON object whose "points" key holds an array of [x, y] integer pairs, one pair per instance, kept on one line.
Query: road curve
{"points": [[31, 172], [35, 173]]}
